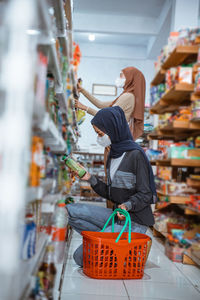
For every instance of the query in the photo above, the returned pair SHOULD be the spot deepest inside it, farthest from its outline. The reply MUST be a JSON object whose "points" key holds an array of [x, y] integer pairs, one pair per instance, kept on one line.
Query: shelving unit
{"points": [[24, 116], [28, 268], [181, 54], [179, 95]]}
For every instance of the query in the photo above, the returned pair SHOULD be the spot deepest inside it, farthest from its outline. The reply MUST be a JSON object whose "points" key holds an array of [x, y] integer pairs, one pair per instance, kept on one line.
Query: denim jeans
{"points": [[86, 217]]}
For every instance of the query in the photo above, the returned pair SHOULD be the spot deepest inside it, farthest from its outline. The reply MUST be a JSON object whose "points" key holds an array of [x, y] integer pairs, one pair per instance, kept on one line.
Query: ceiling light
{"points": [[91, 37], [32, 32]]}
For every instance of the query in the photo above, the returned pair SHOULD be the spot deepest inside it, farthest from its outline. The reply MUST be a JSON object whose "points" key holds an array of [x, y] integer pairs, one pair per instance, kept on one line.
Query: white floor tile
{"points": [[161, 275], [157, 290], [76, 285], [74, 271], [90, 297], [191, 272]]}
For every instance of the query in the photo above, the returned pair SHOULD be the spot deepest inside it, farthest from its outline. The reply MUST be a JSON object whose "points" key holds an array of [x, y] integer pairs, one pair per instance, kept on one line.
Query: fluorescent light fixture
{"points": [[32, 32], [91, 37]]}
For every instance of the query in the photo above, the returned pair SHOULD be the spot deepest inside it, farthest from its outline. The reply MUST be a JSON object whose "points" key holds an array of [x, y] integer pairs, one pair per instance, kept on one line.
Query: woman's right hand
{"points": [[79, 87]]}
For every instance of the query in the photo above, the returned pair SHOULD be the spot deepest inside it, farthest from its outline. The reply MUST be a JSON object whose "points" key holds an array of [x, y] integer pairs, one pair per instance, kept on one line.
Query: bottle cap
{"points": [[64, 157]]}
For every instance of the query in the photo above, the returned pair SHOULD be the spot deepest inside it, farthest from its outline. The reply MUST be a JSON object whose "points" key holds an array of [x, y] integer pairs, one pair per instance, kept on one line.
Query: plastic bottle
{"points": [[74, 166], [60, 221]]}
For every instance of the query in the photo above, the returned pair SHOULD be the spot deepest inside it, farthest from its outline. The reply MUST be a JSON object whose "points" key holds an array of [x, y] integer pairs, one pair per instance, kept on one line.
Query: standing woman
{"points": [[131, 100]]}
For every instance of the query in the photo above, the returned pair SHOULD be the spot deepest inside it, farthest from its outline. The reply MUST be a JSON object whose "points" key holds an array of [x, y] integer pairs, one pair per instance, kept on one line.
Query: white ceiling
{"points": [[124, 23], [147, 8]]}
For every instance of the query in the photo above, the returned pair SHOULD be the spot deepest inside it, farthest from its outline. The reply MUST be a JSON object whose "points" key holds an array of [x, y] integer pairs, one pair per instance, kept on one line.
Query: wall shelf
{"points": [[29, 267], [175, 199], [171, 100], [190, 258], [52, 137], [181, 54], [159, 77], [177, 94]]}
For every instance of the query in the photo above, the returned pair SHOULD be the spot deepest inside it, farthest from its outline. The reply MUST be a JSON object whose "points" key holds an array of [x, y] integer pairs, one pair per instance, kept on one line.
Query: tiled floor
{"points": [[163, 279]]}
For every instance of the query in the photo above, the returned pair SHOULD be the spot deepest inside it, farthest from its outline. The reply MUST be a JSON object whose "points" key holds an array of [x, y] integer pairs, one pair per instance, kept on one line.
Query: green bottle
{"points": [[73, 165]]}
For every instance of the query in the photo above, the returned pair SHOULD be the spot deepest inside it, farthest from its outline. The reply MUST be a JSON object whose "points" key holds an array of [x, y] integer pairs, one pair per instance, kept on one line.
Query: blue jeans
{"points": [[86, 217]]}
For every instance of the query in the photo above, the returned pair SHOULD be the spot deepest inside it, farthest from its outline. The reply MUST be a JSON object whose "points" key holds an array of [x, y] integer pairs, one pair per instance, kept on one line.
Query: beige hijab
{"points": [[135, 84]]}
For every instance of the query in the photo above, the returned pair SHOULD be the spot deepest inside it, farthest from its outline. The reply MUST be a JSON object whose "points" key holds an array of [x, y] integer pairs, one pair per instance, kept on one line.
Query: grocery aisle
{"points": [[163, 279]]}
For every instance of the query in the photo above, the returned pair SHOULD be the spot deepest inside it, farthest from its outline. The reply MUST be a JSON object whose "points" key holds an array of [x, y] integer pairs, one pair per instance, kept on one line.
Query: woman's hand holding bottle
{"points": [[79, 105], [87, 175]]}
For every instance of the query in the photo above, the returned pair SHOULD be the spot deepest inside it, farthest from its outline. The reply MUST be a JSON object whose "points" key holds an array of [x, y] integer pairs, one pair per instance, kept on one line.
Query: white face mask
{"points": [[104, 140], [120, 82]]}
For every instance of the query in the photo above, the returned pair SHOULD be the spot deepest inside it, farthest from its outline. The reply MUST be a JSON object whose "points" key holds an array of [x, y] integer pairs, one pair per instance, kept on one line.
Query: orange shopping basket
{"points": [[109, 255]]}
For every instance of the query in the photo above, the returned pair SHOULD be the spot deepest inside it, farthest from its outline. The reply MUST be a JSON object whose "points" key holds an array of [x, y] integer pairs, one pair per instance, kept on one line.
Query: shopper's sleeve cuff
{"points": [[93, 180], [128, 205]]}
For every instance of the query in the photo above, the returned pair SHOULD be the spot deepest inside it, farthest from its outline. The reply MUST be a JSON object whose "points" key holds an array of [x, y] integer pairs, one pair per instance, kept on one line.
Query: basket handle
{"points": [[128, 220]]}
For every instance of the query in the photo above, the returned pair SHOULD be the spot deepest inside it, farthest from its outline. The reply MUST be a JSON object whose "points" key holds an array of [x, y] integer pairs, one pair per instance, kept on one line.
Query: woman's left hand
{"points": [[121, 217]]}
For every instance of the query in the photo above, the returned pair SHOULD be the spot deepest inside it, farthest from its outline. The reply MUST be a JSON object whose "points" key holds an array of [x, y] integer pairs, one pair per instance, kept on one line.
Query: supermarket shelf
{"points": [[177, 162], [60, 276], [65, 45], [61, 24], [196, 120], [172, 98], [158, 135], [176, 130], [193, 183], [54, 65], [158, 233], [177, 94], [49, 132], [190, 258], [181, 54], [175, 199], [29, 267], [159, 77], [185, 162], [181, 126], [195, 96], [163, 162], [161, 109], [191, 211]]}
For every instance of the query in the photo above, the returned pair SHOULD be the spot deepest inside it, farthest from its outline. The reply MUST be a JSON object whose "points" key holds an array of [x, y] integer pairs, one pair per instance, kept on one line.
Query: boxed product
{"points": [[164, 173], [197, 81], [185, 75], [153, 154], [195, 104], [156, 93], [183, 152], [173, 251], [196, 113]]}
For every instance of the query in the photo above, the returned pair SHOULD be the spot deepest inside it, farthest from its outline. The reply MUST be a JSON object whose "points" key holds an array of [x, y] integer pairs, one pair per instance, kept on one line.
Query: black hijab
{"points": [[112, 121]]}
